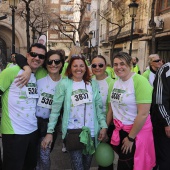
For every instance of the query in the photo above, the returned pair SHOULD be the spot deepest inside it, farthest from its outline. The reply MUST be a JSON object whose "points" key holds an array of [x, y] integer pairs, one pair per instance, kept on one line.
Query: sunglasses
{"points": [[77, 56], [50, 62], [95, 65], [156, 61], [40, 56]]}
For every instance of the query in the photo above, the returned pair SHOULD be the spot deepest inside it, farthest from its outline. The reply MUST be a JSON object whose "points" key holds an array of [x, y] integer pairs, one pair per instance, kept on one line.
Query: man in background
{"points": [[135, 67], [154, 64], [13, 62]]}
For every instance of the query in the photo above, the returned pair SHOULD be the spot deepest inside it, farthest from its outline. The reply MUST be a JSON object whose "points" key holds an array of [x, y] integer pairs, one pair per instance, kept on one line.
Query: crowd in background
{"points": [[118, 105]]}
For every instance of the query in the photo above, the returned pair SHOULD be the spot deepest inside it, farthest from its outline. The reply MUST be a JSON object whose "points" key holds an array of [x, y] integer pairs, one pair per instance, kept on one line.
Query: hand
{"points": [[167, 131], [103, 134], [106, 139], [127, 145], [23, 78], [47, 141]]}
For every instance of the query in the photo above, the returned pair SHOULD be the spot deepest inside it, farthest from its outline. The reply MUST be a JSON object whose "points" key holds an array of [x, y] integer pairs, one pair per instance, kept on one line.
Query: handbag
{"points": [[72, 139]]}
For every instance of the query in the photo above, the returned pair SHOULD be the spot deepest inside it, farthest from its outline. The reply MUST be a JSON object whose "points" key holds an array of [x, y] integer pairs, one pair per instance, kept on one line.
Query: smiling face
{"points": [[54, 68], [122, 69], [98, 67], [78, 69], [35, 62]]}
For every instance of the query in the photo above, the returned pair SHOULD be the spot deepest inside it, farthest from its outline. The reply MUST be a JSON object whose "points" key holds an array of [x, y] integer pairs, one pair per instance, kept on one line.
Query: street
{"points": [[61, 161]]}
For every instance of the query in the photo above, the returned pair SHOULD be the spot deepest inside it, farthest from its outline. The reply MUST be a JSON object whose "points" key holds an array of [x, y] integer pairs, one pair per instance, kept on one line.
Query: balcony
{"points": [[126, 31], [66, 36], [107, 8]]}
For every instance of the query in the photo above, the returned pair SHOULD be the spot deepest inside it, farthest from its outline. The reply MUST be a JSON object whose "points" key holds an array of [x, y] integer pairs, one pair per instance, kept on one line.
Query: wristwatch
{"points": [[130, 139]]}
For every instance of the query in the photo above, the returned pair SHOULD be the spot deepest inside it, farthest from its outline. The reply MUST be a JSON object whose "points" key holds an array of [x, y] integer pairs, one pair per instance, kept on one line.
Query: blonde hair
{"points": [[75, 50], [150, 58]]}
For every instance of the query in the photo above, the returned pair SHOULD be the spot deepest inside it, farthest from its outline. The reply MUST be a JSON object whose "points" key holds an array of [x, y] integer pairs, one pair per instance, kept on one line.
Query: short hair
{"points": [[125, 56], [150, 58], [99, 56], [38, 45], [86, 76], [50, 53]]}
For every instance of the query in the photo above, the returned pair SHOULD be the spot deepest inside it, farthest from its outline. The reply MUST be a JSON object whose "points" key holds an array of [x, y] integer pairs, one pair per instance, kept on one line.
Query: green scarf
{"points": [[85, 138]]}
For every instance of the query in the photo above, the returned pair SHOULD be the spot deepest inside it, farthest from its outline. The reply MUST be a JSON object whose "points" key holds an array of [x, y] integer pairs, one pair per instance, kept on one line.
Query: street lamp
{"points": [[133, 6], [34, 37], [13, 6], [90, 38]]}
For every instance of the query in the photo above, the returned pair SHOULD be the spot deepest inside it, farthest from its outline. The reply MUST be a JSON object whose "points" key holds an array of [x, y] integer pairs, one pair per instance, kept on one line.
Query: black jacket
{"points": [[160, 110]]}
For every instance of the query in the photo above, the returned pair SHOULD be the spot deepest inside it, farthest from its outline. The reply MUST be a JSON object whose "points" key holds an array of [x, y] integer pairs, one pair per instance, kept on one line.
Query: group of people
{"points": [[42, 87]]}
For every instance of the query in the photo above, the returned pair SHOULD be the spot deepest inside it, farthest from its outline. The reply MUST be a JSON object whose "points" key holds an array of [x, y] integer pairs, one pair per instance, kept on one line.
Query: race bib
{"points": [[116, 95], [81, 96], [45, 100], [31, 90]]}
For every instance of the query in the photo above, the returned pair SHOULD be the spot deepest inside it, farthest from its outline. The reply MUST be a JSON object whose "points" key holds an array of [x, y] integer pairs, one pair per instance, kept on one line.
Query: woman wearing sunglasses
{"points": [[82, 110], [98, 67], [154, 64], [130, 101], [46, 88], [47, 81]]}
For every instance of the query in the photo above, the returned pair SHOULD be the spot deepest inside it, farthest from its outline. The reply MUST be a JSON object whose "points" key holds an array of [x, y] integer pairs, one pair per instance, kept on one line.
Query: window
{"points": [[94, 34], [66, 1], [164, 4], [64, 35], [88, 7], [67, 17], [54, 1], [68, 8]]}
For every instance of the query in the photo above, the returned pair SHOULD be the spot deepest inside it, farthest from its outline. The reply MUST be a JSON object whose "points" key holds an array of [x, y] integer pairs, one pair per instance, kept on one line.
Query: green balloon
{"points": [[104, 155]]}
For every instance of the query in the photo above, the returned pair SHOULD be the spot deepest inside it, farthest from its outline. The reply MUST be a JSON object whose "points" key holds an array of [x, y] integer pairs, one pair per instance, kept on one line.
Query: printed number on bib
{"points": [[81, 98], [115, 97], [45, 101], [32, 92]]}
